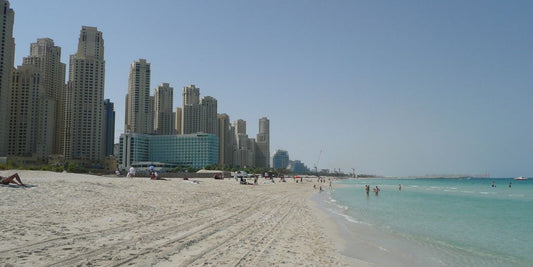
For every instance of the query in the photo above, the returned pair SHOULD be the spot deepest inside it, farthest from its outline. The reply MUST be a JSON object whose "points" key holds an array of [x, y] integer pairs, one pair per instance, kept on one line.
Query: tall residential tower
{"points": [[138, 111], [190, 122], [85, 98], [47, 58], [262, 153], [163, 114], [7, 52]]}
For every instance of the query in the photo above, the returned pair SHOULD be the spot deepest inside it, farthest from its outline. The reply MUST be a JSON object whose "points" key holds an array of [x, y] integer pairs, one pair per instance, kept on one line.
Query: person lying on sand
{"points": [[11, 179]]}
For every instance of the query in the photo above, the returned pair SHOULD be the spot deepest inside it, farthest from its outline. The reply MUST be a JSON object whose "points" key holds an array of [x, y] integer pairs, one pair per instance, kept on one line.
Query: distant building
{"points": [[190, 122], [178, 117], [240, 126], [138, 111], [7, 50], [191, 150], [109, 130], [262, 153], [280, 160], [208, 115], [225, 137], [297, 166], [163, 114], [85, 99]]}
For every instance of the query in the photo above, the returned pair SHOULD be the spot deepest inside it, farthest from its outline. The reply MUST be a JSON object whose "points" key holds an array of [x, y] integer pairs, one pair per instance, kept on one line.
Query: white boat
{"points": [[521, 178]]}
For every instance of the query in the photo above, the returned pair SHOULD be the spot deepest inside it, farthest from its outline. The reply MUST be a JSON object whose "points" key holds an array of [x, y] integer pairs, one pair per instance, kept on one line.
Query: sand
{"points": [[65, 219]]}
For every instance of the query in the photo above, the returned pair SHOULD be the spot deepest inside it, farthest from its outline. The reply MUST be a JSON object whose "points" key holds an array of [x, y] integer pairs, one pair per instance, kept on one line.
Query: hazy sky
{"points": [[385, 87]]}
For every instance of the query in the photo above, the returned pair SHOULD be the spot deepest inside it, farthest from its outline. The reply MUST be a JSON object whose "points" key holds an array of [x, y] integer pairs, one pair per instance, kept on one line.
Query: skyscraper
{"points": [[262, 153], [109, 131], [85, 98], [225, 136], [208, 115], [178, 117], [25, 127], [190, 122], [7, 51], [47, 58], [240, 126], [163, 114], [138, 115]]}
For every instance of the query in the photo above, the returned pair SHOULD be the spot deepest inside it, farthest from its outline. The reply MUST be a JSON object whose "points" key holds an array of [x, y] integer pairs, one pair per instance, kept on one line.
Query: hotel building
{"points": [[190, 150]]}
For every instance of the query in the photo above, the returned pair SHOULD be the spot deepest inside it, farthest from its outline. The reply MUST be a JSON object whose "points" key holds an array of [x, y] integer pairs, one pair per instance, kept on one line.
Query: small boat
{"points": [[521, 178]]}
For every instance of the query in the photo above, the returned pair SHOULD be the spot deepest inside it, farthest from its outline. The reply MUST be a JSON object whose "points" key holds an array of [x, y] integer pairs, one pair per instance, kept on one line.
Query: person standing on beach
{"points": [[131, 173]]}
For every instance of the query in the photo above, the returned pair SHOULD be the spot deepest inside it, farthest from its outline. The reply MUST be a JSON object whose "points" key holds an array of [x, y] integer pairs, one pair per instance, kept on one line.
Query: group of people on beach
{"points": [[375, 190], [154, 175]]}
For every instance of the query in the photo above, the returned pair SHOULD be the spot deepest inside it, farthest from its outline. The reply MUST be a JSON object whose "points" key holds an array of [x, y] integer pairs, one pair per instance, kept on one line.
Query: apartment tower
{"points": [[109, 131], [47, 58], [262, 153], [7, 53], [225, 137], [163, 114], [138, 111], [84, 122], [190, 122], [208, 115], [24, 126]]}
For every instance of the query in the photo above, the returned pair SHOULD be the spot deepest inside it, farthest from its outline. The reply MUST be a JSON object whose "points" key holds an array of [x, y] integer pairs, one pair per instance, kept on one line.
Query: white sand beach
{"points": [[65, 219]]}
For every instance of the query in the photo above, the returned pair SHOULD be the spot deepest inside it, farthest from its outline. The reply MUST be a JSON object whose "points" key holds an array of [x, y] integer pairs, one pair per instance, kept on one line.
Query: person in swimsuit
{"points": [[13, 179]]}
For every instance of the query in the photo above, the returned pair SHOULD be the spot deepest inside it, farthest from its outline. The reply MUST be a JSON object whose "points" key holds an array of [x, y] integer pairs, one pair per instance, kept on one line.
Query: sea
{"points": [[434, 222]]}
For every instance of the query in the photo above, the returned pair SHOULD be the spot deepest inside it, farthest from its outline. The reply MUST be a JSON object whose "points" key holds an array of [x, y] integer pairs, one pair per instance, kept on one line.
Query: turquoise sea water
{"points": [[466, 222]]}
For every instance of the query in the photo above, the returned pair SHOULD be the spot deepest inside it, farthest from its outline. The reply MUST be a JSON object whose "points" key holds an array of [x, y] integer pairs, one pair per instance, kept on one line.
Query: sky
{"points": [[394, 88]]}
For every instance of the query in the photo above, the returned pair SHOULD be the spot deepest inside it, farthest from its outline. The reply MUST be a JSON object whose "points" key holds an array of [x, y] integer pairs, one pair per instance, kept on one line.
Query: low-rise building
{"points": [[189, 150]]}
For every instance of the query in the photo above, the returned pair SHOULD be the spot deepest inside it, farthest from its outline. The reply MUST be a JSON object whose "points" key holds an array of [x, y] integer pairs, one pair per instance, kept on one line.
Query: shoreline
{"points": [[78, 219], [362, 244]]}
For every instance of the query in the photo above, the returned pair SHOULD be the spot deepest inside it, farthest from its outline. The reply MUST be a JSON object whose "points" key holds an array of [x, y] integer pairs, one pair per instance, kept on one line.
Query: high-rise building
{"points": [[7, 52], [84, 132], [109, 131], [240, 126], [163, 114], [208, 115], [190, 122], [225, 136], [47, 58], [178, 117], [243, 153], [262, 153], [29, 111], [138, 116], [280, 160]]}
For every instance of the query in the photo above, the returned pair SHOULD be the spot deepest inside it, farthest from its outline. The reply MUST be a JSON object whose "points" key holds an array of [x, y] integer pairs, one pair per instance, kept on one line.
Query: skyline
{"points": [[409, 88]]}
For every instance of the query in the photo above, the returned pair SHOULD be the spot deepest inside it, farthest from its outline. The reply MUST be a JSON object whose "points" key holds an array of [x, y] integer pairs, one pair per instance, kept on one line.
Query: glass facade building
{"points": [[190, 150]]}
